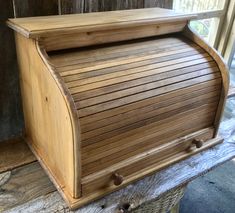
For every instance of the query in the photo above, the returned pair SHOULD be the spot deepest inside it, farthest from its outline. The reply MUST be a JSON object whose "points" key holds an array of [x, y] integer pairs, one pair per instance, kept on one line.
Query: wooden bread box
{"points": [[111, 97]]}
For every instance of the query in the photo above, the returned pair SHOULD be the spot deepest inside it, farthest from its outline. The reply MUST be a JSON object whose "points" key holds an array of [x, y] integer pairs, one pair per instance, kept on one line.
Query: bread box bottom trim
{"points": [[189, 149]]}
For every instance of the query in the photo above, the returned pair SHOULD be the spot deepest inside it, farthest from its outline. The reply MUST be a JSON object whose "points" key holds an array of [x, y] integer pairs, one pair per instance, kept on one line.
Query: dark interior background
{"points": [[11, 115]]}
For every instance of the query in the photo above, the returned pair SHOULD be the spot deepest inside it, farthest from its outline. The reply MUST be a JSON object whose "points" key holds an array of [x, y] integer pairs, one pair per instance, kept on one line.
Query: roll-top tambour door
{"points": [[136, 95]]}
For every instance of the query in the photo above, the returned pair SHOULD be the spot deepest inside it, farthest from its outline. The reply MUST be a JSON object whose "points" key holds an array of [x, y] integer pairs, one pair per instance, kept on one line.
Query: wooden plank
{"points": [[149, 105], [100, 36], [144, 95], [103, 183], [11, 118], [113, 50], [102, 163], [59, 58], [126, 61], [163, 81], [181, 142], [135, 194], [23, 184], [209, 14], [129, 68], [150, 112], [135, 73], [119, 86], [108, 146], [53, 25], [74, 69], [28, 8], [48, 135], [107, 5], [14, 153], [71, 6], [159, 3]]}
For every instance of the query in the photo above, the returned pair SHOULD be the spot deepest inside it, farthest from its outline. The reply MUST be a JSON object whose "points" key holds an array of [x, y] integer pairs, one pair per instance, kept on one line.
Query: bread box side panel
{"points": [[50, 128], [193, 36]]}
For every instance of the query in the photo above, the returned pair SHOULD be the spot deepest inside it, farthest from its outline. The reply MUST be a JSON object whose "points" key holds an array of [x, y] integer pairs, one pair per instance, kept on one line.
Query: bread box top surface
{"points": [[38, 26]]}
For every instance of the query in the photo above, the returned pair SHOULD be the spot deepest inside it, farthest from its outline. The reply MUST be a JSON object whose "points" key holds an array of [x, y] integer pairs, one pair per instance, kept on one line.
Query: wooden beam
{"points": [[208, 14]]}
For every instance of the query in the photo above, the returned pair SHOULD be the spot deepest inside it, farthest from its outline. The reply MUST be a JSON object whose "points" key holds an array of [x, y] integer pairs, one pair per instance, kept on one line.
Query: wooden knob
{"points": [[117, 179], [198, 142]]}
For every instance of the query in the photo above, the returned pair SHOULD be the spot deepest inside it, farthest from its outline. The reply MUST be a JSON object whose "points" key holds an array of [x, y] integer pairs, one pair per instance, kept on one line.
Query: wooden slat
{"points": [[142, 156], [64, 71], [14, 153], [147, 166], [146, 145], [96, 74], [154, 136], [127, 69], [135, 73], [114, 50], [144, 103], [144, 95], [163, 81], [140, 115], [131, 83], [61, 58], [149, 105], [138, 133], [172, 49]]}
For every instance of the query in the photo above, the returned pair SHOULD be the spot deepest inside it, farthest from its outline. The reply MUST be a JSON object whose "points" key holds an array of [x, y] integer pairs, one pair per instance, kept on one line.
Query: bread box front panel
{"points": [[132, 98]]}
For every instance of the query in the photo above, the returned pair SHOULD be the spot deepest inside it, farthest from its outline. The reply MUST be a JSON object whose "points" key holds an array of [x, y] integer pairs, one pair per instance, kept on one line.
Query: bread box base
{"points": [[161, 164], [116, 97]]}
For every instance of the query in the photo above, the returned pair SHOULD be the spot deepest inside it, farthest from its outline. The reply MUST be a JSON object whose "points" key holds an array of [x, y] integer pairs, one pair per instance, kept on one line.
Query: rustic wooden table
{"points": [[24, 187]]}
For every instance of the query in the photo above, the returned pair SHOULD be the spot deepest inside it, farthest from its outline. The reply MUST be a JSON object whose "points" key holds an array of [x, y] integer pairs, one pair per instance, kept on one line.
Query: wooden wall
{"points": [[11, 118]]}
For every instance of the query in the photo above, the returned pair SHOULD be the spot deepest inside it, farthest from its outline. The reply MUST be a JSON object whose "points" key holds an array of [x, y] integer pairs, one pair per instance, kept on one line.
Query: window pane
{"points": [[204, 27], [197, 5]]}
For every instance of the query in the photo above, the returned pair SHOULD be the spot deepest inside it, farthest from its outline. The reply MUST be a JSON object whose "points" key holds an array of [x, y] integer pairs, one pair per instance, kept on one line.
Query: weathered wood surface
{"points": [[71, 6], [11, 118], [26, 8], [14, 153], [28, 189]]}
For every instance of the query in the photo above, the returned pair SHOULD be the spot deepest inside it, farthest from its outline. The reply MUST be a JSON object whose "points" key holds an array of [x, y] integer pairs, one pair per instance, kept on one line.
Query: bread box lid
{"points": [[34, 27]]}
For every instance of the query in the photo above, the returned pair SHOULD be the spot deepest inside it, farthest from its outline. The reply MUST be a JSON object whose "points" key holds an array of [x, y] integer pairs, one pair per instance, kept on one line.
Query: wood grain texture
{"points": [[71, 6], [143, 85], [223, 68], [30, 183], [53, 25], [107, 5], [28, 8], [158, 3], [107, 36], [143, 191], [14, 153], [11, 116], [45, 132]]}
